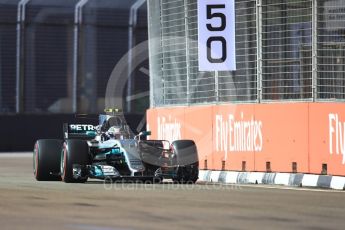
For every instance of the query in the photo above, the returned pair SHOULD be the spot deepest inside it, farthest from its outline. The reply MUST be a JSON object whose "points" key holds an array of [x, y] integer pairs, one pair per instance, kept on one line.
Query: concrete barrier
{"points": [[286, 179]]}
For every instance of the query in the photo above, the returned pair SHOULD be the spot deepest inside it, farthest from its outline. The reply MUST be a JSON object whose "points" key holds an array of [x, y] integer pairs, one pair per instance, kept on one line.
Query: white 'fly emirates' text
{"points": [[238, 135], [168, 130], [336, 135]]}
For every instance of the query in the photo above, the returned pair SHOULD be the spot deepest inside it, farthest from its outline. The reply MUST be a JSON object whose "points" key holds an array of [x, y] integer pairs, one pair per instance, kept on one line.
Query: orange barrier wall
{"points": [[309, 134]]}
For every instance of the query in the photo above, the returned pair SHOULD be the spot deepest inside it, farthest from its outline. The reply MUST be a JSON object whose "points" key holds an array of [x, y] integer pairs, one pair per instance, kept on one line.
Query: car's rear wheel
{"points": [[187, 160], [74, 152], [46, 159], [187, 174]]}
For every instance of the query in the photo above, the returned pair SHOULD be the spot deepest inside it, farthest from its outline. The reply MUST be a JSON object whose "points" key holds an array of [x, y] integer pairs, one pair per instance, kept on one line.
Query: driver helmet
{"points": [[115, 132]]}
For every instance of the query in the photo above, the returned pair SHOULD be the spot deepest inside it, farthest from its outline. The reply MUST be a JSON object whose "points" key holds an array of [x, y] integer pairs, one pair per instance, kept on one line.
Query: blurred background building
{"points": [[56, 57]]}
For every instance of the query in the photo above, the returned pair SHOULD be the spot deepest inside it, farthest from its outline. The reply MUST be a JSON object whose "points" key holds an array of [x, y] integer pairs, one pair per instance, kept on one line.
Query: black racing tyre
{"points": [[73, 152], [187, 174], [46, 159], [187, 161]]}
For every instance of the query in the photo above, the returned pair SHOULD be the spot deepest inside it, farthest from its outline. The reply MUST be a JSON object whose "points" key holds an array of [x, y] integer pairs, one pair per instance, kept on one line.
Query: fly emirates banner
{"points": [[309, 134]]}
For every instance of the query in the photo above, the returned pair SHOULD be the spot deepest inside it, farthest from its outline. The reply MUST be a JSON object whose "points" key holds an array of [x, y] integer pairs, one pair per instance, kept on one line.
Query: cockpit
{"points": [[114, 127]]}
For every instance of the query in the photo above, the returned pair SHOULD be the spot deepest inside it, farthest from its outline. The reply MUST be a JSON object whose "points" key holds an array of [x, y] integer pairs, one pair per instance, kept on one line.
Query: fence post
{"points": [[78, 17], [314, 49], [216, 82], [187, 49], [0, 79], [20, 55], [163, 58], [259, 48], [132, 26]]}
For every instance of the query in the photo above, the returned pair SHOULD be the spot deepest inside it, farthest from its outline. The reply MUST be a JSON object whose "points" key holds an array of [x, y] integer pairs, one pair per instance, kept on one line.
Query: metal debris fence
{"points": [[286, 50]]}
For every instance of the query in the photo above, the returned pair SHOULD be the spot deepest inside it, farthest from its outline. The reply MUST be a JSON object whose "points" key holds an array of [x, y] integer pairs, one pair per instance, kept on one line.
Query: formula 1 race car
{"points": [[109, 151]]}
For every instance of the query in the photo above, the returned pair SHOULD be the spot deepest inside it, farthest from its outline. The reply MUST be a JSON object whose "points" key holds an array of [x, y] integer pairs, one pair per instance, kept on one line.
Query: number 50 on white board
{"points": [[216, 35]]}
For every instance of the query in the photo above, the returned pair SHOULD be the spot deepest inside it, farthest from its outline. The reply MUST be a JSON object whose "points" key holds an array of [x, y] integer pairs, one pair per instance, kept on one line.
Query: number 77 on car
{"points": [[216, 35]]}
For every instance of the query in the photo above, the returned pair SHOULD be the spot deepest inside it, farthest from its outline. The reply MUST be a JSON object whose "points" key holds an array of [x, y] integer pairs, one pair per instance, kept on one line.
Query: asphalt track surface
{"points": [[28, 204]]}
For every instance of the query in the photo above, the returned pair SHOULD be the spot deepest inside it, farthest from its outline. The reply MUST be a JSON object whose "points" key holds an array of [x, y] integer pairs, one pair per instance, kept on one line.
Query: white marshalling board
{"points": [[216, 35]]}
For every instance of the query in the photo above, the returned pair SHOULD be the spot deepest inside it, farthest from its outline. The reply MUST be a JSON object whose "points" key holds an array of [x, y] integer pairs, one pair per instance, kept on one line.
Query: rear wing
{"points": [[79, 131]]}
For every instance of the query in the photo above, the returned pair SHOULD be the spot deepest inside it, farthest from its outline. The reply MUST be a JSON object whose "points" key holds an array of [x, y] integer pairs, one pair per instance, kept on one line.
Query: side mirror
{"points": [[91, 134]]}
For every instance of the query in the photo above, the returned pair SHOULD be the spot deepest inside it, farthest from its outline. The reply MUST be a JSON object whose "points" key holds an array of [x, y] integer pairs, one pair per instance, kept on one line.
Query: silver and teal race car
{"points": [[109, 151]]}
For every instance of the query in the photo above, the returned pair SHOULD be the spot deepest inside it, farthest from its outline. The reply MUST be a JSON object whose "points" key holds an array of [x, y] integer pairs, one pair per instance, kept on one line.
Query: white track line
{"points": [[292, 188], [282, 187], [16, 155]]}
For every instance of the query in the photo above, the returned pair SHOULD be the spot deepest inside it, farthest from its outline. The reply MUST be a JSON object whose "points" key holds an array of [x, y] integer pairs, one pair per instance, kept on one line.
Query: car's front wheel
{"points": [[74, 152], [46, 159]]}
